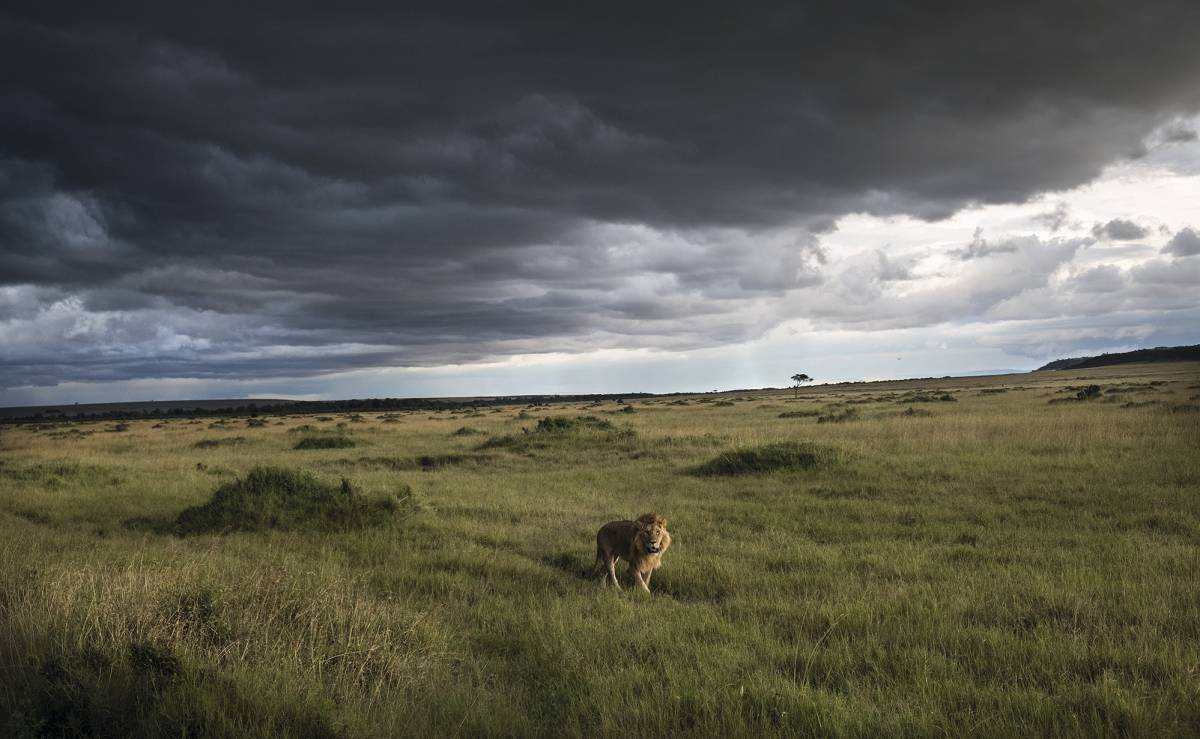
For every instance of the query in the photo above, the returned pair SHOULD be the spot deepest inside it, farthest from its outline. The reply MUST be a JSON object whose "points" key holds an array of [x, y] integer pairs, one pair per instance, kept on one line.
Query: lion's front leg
{"points": [[641, 580]]}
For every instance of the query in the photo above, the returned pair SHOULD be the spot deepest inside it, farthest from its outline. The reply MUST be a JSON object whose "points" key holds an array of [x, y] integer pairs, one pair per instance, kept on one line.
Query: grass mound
{"points": [[784, 455], [276, 498], [214, 443], [325, 442]]}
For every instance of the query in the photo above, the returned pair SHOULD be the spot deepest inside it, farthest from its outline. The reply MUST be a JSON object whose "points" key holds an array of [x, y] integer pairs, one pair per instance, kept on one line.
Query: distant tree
{"points": [[799, 379]]}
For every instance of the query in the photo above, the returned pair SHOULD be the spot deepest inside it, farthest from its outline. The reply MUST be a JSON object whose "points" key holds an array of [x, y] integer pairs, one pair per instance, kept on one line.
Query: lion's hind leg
{"points": [[610, 577]]}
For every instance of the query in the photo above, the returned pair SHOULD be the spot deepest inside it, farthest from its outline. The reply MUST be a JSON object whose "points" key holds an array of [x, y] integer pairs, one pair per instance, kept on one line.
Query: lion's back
{"points": [[616, 535]]}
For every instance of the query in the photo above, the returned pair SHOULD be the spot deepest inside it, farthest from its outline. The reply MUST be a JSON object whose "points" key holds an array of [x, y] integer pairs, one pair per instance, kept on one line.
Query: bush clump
{"points": [[784, 455], [325, 442], [276, 498]]}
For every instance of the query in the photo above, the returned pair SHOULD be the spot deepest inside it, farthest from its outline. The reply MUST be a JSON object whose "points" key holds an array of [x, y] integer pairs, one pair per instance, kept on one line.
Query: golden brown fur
{"points": [[641, 543]]}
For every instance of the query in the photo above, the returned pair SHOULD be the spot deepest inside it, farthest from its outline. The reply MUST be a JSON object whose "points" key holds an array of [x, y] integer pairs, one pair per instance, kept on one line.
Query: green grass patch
{"points": [[850, 414], [783, 455], [277, 498], [560, 432], [215, 443], [325, 442], [799, 414]]}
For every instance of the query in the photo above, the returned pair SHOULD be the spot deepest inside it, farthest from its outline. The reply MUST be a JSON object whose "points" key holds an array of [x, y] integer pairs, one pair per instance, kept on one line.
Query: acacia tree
{"points": [[800, 378]]}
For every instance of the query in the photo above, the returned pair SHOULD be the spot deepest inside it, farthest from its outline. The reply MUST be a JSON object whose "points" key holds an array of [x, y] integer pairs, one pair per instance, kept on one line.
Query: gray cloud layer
{"points": [[186, 192]]}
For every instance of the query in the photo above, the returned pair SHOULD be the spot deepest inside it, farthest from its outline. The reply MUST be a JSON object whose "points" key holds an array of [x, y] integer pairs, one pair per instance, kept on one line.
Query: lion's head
{"points": [[652, 532]]}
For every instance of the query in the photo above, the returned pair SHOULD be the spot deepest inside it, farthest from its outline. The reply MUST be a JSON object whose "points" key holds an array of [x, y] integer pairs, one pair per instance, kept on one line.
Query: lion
{"points": [[641, 543]]}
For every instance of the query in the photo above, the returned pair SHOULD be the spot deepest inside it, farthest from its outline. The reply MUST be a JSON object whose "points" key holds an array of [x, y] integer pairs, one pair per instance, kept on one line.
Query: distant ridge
{"points": [[1157, 354]]}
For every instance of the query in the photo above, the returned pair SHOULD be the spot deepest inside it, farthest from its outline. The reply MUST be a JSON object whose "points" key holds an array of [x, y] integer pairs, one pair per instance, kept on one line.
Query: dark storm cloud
{"points": [[186, 191]]}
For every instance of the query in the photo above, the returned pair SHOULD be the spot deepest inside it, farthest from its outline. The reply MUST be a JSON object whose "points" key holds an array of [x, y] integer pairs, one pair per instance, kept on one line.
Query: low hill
{"points": [[1157, 354]]}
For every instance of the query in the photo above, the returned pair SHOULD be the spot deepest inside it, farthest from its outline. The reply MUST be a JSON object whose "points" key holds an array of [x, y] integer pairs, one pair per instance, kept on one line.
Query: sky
{"points": [[453, 199]]}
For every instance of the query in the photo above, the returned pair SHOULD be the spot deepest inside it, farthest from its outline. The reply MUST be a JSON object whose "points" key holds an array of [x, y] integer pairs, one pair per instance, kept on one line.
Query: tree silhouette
{"points": [[800, 378]]}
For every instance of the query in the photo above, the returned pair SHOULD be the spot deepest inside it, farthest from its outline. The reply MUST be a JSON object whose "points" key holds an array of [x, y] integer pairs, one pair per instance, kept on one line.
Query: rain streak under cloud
{"points": [[460, 199]]}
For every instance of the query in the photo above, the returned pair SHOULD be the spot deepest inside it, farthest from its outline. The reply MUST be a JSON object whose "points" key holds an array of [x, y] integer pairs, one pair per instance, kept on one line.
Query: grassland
{"points": [[935, 558]]}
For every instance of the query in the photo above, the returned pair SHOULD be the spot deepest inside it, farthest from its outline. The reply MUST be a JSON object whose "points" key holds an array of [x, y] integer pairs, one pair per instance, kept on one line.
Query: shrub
{"points": [[325, 442], [276, 498], [786, 455]]}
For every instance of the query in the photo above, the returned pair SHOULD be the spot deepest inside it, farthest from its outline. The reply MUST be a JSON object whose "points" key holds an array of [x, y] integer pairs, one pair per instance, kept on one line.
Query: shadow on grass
{"points": [[146, 691], [574, 564]]}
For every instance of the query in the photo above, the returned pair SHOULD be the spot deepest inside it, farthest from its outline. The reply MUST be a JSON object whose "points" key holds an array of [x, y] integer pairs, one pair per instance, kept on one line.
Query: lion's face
{"points": [[652, 533]]}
